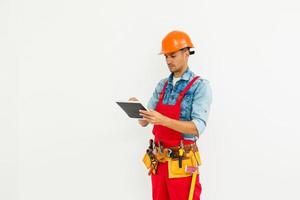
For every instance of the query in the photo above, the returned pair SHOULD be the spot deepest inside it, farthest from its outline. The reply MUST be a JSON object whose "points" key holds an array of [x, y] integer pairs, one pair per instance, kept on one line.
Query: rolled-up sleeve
{"points": [[201, 105]]}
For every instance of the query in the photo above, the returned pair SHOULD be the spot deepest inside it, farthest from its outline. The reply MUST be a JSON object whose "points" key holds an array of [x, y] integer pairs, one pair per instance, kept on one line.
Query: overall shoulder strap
{"points": [[182, 93], [162, 93]]}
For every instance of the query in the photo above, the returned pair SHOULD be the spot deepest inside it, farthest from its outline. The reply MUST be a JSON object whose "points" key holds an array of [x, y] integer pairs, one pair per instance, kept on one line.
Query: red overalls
{"points": [[164, 188]]}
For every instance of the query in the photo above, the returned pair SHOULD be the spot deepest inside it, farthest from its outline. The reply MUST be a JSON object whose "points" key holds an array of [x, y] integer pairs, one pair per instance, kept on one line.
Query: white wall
{"points": [[64, 63], [8, 107]]}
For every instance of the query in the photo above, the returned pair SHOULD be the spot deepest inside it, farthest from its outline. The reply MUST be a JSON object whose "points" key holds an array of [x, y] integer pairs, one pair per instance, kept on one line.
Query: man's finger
{"points": [[132, 99], [147, 119], [145, 114], [142, 114], [144, 111]]}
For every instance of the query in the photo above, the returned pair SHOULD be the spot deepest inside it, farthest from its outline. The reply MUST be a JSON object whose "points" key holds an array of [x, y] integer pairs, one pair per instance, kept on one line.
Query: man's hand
{"points": [[156, 118], [153, 117], [133, 99], [142, 122]]}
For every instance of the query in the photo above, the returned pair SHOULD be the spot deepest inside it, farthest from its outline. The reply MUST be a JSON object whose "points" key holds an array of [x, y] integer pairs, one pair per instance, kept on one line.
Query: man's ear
{"points": [[187, 53]]}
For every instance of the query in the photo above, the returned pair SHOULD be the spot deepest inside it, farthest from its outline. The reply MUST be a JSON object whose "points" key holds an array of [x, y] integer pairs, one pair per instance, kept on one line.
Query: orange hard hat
{"points": [[174, 41]]}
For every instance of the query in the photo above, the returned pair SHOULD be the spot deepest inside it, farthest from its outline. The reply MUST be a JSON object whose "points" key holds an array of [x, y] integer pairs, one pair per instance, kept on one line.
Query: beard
{"points": [[173, 68]]}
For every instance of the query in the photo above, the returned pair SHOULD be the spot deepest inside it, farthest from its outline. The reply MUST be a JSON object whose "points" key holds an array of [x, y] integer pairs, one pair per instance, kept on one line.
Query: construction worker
{"points": [[178, 109]]}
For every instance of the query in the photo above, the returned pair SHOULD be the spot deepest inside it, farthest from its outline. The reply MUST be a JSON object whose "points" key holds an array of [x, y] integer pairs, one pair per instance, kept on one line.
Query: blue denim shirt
{"points": [[195, 105]]}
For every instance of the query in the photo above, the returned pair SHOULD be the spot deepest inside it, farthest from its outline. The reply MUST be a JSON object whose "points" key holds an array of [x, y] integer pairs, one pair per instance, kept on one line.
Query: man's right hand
{"points": [[142, 122]]}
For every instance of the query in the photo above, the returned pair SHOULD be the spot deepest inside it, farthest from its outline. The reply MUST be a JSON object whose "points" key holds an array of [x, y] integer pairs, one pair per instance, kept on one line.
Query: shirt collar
{"points": [[185, 76]]}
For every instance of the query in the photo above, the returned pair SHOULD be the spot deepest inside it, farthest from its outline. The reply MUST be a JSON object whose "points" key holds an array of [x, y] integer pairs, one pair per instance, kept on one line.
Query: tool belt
{"points": [[174, 151], [182, 160]]}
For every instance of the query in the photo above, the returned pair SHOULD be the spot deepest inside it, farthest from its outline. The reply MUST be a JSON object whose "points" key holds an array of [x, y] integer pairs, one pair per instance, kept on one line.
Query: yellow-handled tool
{"points": [[194, 176], [193, 183]]}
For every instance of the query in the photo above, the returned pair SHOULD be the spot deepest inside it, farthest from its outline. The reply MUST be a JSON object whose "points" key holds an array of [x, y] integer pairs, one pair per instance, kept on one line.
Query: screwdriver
{"points": [[160, 146], [180, 156], [151, 144]]}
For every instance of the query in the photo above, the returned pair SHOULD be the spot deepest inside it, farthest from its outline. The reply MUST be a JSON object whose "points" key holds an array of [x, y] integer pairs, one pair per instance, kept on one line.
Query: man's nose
{"points": [[169, 61]]}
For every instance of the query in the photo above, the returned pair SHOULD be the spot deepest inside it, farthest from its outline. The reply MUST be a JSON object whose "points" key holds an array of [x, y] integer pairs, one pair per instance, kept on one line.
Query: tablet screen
{"points": [[132, 108]]}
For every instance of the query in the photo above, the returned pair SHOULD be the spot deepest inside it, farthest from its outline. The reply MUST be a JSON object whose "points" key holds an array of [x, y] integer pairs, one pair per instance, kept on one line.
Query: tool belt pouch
{"points": [[147, 161], [176, 172]]}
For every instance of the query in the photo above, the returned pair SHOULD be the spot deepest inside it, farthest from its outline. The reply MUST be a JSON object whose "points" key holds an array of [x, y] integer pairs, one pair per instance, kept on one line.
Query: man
{"points": [[178, 109]]}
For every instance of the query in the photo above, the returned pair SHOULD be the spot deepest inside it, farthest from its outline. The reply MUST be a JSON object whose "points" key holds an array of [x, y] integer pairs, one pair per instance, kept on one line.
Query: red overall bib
{"points": [[164, 188]]}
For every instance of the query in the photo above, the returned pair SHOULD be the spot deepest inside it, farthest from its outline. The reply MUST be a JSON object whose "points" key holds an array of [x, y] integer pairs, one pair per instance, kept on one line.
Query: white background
{"points": [[63, 63]]}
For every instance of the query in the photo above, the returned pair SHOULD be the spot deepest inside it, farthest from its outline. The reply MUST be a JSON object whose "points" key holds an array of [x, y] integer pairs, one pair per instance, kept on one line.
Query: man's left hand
{"points": [[153, 117]]}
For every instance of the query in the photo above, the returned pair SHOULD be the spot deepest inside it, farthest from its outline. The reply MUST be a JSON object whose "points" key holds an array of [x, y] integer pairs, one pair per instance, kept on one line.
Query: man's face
{"points": [[176, 60]]}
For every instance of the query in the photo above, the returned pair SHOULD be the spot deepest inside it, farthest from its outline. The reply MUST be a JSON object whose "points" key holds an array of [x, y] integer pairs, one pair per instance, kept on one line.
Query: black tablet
{"points": [[132, 108]]}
